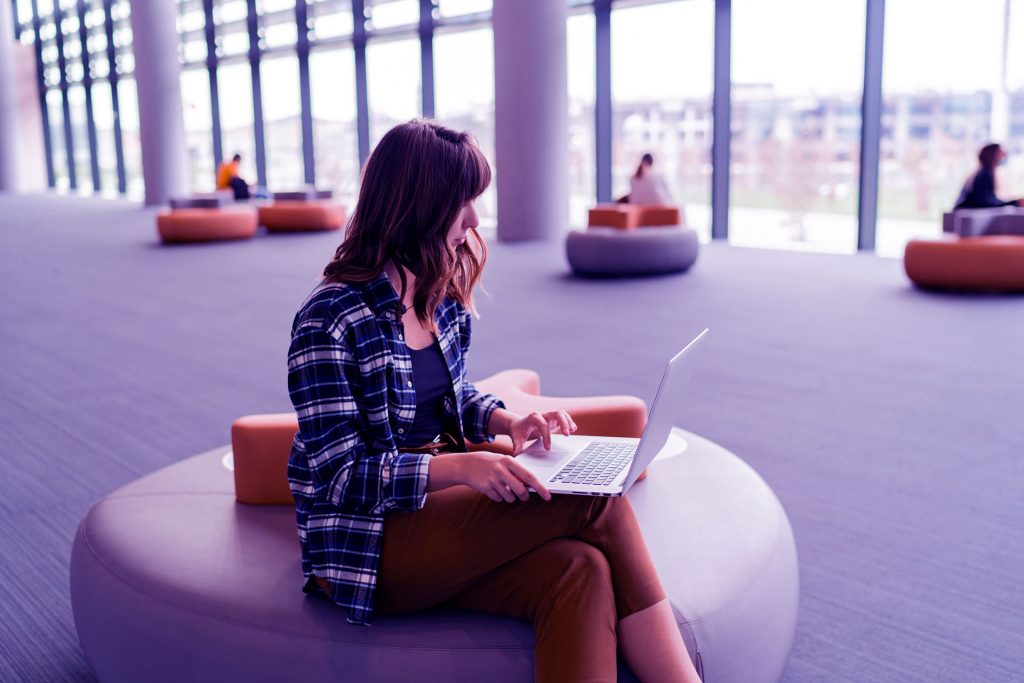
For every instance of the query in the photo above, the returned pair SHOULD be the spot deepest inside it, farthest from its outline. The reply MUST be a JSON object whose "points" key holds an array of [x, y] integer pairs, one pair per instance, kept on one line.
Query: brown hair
{"points": [[989, 155], [645, 159], [414, 185]]}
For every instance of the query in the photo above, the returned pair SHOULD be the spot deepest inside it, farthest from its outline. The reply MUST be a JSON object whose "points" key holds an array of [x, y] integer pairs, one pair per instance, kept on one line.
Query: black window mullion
{"points": [[211, 70], [258, 126], [69, 142], [426, 33], [721, 109], [41, 83], [14, 15], [305, 97], [603, 99], [114, 77], [362, 104], [870, 125], [83, 36]]}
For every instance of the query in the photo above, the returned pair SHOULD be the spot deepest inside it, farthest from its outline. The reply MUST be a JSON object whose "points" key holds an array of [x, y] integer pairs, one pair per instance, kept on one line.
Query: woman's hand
{"points": [[539, 426], [499, 477]]}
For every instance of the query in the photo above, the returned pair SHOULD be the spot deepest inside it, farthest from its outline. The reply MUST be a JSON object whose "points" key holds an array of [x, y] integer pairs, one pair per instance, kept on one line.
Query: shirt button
{"points": [[401, 338], [401, 430], [409, 383]]}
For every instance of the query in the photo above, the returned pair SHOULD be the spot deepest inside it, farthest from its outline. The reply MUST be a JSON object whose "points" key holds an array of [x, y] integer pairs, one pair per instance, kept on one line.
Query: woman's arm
{"points": [[326, 386]]}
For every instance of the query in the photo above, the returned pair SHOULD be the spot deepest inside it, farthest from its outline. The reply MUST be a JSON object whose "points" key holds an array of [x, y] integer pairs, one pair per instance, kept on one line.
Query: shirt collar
{"points": [[382, 296]]}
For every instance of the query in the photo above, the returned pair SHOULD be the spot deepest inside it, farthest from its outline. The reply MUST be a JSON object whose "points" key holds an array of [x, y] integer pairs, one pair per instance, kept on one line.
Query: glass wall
{"points": [[796, 97], [796, 124], [580, 49], [940, 106], [464, 97], [198, 119], [394, 90], [335, 143], [662, 75]]}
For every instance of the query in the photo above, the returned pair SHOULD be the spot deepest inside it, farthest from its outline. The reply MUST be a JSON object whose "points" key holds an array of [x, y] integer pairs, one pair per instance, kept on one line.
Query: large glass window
{"points": [[393, 84], [464, 99], [940, 105], [128, 101], [391, 13], [580, 50], [796, 97], [80, 137], [277, 23], [330, 18], [55, 111], [662, 75], [333, 94], [282, 122], [234, 88], [198, 120], [453, 8], [103, 114]]}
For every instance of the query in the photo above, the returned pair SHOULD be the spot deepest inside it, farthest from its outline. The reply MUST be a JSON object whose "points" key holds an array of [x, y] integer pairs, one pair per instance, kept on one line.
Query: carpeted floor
{"points": [[887, 419]]}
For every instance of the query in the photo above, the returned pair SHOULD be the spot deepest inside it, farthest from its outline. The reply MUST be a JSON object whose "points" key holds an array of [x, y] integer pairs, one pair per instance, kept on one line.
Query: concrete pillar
{"points": [[161, 128], [531, 119], [8, 102]]}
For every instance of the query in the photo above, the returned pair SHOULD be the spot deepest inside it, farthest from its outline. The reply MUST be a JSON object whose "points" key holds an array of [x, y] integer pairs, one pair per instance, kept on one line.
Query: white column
{"points": [[8, 102], [161, 128], [531, 119]]}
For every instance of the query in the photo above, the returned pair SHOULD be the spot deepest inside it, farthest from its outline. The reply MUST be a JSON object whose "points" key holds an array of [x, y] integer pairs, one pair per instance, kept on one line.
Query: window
{"points": [[198, 119], [234, 88], [465, 97], [128, 101], [330, 18], [333, 94], [453, 8], [282, 122], [392, 13], [941, 106], [103, 114], [662, 74], [580, 50], [393, 84], [794, 180]]}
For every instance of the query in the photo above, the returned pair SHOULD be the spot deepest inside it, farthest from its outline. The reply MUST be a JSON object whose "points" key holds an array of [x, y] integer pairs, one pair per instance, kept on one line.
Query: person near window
{"points": [[394, 515], [228, 178], [979, 192]]}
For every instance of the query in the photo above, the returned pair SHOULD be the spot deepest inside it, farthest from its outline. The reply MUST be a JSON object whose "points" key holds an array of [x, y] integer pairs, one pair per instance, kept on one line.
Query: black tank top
{"points": [[433, 382]]}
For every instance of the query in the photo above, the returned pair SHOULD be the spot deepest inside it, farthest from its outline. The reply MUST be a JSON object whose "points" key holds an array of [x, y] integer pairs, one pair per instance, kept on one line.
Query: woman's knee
{"points": [[586, 567]]}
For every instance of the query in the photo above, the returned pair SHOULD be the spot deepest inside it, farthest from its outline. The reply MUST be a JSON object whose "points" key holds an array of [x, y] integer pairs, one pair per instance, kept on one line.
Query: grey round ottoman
{"points": [[172, 580], [611, 252]]}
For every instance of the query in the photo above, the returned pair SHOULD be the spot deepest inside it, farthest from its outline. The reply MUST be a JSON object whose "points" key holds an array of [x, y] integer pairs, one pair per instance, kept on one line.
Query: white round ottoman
{"points": [[172, 580], [612, 252]]}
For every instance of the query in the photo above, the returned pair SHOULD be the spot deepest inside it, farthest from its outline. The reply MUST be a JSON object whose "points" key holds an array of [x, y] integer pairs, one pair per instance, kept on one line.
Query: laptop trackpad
{"points": [[537, 459]]}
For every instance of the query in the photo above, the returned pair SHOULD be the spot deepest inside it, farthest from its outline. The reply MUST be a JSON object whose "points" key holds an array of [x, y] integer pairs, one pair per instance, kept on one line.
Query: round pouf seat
{"points": [[302, 216], [610, 252], [990, 263], [207, 224], [172, 579]]}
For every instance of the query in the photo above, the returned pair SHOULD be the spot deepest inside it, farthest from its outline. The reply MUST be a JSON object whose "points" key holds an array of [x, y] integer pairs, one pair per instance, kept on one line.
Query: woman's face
{"points": [[464, 222]]}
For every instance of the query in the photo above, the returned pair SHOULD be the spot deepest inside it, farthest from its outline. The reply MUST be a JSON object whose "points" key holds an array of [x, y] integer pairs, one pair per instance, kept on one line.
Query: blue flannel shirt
{"points": [[350, 380]]}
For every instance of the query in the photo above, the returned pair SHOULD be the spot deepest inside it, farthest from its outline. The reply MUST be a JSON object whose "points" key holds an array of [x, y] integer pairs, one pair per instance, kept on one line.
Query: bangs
{"points": [[476, 172]]}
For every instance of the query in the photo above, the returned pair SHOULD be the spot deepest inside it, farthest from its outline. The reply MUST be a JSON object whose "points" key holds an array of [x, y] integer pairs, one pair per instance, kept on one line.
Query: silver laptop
{"points": [[605, 465]]}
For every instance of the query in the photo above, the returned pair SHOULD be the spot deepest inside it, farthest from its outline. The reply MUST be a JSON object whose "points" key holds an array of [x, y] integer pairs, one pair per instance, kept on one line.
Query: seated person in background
{"points": [[228, 178], [647, 187], [979, 192]]}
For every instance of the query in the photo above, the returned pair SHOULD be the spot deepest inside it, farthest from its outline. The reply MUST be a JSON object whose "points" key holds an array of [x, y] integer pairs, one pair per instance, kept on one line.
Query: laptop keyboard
{"points": [[597, 464]]}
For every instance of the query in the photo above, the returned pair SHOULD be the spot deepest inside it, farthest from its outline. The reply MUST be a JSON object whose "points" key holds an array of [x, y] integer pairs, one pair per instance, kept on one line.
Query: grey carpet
{"points": [[887, 419]]}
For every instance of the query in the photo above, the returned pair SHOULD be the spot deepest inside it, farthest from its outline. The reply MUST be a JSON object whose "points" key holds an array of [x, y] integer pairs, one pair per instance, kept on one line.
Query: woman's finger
{"points": [[530, 479], [516, 486], [562, 421], [504, 491], [544, 432]]}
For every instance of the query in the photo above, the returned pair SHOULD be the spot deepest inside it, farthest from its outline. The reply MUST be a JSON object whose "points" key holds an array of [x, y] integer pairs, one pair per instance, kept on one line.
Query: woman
{"points": [[979, 192], [647, 187], [393, 514]]}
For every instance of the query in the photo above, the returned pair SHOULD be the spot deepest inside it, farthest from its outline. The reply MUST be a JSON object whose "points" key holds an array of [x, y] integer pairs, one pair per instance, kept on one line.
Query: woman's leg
{"points": [[564, 588], [461, 536], [654, 630]]}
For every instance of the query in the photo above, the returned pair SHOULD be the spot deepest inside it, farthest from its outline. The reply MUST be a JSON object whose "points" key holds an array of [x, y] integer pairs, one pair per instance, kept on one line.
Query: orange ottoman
{"points": [[992, 263], [622, 216], [631, 216], [302, 215], [207, 224], [261, 443]]}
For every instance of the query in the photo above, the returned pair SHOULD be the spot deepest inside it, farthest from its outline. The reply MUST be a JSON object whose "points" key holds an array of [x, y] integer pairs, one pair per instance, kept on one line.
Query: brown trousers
{"points": [[573, 566]]}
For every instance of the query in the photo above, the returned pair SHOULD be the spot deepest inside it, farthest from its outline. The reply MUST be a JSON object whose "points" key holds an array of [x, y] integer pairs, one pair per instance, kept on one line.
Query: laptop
{"points": [[605, 465]]}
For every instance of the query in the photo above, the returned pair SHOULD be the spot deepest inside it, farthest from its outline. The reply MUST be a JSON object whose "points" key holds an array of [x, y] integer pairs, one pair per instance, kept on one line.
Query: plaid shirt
{"points": [[350, 380]]}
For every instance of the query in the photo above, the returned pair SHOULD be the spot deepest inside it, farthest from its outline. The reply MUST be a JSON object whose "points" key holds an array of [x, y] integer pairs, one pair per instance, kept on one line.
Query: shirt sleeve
{"points": [[476, 405], [327, 390]]}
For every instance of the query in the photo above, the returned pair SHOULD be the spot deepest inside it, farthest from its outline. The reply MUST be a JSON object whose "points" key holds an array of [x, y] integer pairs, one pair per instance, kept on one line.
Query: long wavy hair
{"points": [[414, 186]]}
